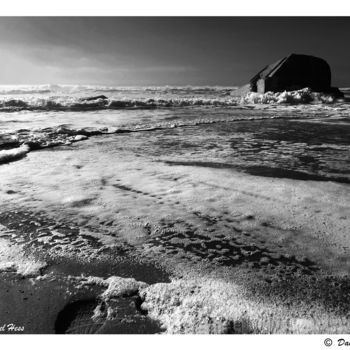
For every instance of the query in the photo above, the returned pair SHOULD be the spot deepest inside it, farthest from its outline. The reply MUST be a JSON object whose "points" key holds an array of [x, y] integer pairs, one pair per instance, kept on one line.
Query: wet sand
{"points": [[235, 228], [51, 299]]}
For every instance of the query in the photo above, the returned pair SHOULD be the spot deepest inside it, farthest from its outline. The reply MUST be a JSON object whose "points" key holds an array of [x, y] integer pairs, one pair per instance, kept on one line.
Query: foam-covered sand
{"points": [[290, 219], [246, 209], [13, 258]]}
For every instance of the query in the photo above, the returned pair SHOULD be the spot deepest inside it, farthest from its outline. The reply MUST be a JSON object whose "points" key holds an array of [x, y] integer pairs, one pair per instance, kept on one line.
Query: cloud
{"points": [[45, 63]]}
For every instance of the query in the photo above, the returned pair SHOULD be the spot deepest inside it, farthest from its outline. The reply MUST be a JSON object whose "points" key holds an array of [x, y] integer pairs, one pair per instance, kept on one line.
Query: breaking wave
{"points": [[101, 102], [80, 89], [10, 155], [303, 96]]}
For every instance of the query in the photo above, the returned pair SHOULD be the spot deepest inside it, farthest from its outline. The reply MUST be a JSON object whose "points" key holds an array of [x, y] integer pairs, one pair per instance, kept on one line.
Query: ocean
{"points": [[303, 137]]}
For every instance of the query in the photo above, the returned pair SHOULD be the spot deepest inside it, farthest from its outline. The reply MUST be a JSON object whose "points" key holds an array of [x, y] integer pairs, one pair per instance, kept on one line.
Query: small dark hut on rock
{"points": [[293, 72]]}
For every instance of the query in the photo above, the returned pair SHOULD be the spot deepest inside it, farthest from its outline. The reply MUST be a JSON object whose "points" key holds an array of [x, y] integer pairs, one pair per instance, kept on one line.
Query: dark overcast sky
{"points": [[166, 50]]}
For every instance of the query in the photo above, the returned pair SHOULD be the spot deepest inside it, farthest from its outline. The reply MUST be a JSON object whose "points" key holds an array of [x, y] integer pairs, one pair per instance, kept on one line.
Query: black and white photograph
{"points": [[175, 175]]}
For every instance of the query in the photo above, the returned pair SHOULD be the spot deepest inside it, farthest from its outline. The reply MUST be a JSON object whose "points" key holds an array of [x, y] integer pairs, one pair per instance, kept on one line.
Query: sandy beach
{"points": [[177, 220]]}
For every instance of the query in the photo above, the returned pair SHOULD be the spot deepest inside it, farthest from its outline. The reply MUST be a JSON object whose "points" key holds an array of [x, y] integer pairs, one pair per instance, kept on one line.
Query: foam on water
{"points": [[84, 98], [13, 154], [16, 143], [303, 96], [41, 116], [69, 103]]}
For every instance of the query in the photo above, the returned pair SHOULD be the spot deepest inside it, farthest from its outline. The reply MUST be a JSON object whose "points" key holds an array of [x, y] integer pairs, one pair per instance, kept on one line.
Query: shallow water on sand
{"points": [[280, 141]]}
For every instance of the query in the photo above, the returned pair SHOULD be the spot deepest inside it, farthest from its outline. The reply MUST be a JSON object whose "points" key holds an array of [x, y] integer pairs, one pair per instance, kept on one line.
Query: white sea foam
{"points": [[13, 259], [212, 306], [115, 286], [71, 103], [14, 153], [303, 96]]}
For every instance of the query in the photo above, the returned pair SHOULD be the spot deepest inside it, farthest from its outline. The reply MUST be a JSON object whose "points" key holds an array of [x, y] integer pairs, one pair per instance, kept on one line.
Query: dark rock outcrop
{"points": [[293, 72]]}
